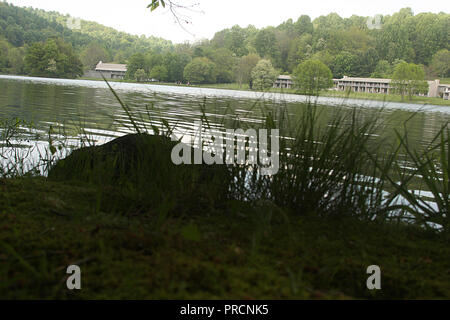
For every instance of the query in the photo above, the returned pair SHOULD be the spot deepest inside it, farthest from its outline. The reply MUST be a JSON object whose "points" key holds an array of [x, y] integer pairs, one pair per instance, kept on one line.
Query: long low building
{"points": [[377, 85], [370, 85], [108, 70]]}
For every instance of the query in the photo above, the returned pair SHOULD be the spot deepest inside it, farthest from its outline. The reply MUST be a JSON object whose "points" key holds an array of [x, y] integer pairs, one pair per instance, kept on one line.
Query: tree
{"points": [[345, 64], [93, 54], [382, 70], [264, 75], [440, 63], [243, 69], [175, 64], [136, 62], [234, 39], [304, 25], [4, 50], [140, 75], [409, 79], [159, 73], [393, 40], [154, 59], [323, 56], [54, 58], [367, 62], [266, 44], [238, 41], [311, 76], [16, 57], [200, 70], [301, 50], [224, 61]]}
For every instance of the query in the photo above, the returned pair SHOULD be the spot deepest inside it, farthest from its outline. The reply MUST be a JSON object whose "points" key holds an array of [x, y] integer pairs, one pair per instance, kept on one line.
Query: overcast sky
{"points": [[133, 17]]}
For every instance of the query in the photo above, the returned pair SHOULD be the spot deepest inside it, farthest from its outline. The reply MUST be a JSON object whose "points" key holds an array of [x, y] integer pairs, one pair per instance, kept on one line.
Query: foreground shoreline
{"points": [[216, 254]]}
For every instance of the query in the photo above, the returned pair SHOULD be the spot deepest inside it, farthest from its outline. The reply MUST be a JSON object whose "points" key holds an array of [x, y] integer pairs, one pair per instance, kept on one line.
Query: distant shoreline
{"points": [[417, 100], [327, 93]]}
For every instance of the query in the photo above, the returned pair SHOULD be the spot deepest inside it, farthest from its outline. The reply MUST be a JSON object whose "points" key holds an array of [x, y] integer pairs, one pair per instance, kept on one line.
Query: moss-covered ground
{"points": [[238, 251]]}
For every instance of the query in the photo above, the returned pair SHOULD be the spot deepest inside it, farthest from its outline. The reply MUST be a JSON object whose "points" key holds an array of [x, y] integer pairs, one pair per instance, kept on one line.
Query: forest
{"points": [[348, 46]]}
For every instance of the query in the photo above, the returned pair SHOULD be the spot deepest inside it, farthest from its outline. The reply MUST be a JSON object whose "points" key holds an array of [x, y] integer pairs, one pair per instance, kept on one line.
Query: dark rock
{"points": [[141, 164]]}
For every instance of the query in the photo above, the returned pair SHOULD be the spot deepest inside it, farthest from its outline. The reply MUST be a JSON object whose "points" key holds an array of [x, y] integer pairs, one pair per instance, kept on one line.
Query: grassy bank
{"points": [[388, 98], [228, 253]]}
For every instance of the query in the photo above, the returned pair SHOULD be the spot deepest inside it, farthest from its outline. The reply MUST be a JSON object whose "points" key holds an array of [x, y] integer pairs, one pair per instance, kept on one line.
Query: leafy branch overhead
{"points": [[174, 7], [156, 3]]}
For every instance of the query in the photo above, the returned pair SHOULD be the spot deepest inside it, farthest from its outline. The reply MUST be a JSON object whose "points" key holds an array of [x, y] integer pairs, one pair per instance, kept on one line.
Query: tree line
{"points": [[346, 46]]}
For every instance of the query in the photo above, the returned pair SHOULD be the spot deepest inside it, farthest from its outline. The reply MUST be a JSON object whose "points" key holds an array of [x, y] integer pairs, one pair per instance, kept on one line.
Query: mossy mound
{"points": [[116, 161], [139, 166]]}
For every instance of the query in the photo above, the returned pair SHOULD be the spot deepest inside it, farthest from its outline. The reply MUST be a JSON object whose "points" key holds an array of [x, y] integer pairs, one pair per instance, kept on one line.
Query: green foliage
{"points": [[243, 69], [54, 58], [312, 76], [235, 39], [25, 26], [16, 57], [323, 56], [159, 73], [155, 4], [175, 64], [441, 63], [140, 75], [368, 61], [225, 62], [345, 64], [432, 165], [264, 75], [409, 79], [345, 45], [304, 25], [136, 62], [200, 70], [4, 61], [93, 54], [266, 44], [382, 70]]}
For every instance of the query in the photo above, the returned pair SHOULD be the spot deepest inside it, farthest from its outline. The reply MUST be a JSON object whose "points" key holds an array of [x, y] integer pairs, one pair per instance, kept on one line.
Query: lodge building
{"points": [[108, 70], [376, 85]]}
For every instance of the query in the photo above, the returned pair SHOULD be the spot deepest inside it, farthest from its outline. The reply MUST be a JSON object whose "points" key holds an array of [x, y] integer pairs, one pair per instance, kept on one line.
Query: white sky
{"points": [[133, 17]]}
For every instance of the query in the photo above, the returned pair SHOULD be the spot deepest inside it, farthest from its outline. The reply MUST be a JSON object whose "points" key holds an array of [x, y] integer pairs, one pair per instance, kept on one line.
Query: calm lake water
{"points": [[70, 105]]}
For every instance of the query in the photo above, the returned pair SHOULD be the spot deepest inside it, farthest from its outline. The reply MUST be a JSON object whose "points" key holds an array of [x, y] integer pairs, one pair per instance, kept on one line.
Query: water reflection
{"points": [[77, 107]]}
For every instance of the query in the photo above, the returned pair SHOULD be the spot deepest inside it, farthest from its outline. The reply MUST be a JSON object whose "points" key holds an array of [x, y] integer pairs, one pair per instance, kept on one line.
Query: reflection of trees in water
{"points": [[76, 107], [432, 123], [45, 105]]}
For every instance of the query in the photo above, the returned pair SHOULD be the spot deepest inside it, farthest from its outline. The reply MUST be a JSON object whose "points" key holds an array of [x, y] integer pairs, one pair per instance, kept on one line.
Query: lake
{"points": [[79, 108]]}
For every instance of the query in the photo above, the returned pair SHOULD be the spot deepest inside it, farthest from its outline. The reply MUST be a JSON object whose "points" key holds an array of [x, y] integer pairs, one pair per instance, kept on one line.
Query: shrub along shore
{"points": [[141, 227]]}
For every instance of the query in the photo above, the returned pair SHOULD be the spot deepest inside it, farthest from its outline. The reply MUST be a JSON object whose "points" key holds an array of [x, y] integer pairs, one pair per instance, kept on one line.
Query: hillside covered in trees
{"points": [[346, 45]]}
